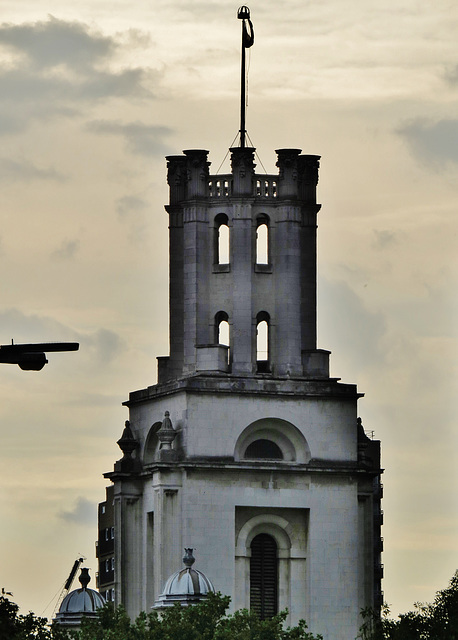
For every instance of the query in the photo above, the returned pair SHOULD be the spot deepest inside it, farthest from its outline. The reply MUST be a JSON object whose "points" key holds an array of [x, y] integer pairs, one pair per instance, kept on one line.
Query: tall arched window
{"points": [[262, 342], [264, 576], [221, 243], [262, 240]]}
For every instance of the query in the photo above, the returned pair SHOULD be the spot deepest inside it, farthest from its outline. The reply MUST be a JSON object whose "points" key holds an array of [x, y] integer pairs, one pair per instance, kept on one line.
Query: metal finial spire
{"points": [[247, 41]]}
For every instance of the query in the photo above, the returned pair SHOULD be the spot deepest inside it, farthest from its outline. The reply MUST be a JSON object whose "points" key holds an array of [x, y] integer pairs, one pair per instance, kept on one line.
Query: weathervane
{"points": [[247, 41]]}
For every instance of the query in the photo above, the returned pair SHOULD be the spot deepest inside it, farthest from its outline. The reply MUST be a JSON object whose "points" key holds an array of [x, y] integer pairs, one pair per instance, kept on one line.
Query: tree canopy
{"points": [[437, 620], [208, 620], [204, 621]]}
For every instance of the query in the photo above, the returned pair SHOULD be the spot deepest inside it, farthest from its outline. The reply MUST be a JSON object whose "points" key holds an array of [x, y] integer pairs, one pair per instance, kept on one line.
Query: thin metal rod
{"points": [[242, 93]]}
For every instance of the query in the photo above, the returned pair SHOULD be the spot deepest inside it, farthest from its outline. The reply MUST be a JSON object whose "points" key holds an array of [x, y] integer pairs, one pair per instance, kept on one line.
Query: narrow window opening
{"points": [[223, 333], [223, 244], [264, 576], [221, 239], [262, 347], [262, 244], [263, 342]]}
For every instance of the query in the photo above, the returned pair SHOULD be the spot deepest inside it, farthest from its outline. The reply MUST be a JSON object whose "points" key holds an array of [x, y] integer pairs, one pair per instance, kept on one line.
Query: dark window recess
{"points": [[264, 576], [106, 542], [264, 450]]}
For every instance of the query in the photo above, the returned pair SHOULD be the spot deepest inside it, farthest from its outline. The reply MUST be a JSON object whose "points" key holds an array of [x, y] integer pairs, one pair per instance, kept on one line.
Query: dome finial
{"points": [[84, 578], [188, 558]]}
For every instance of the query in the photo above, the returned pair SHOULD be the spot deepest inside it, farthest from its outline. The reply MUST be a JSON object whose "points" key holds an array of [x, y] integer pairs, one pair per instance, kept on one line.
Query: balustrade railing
{"points": [[264, 186]]}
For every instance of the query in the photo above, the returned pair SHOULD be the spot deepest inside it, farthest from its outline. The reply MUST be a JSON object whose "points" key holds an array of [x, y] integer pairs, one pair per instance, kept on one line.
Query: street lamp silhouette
{"points": [[32, 357]]}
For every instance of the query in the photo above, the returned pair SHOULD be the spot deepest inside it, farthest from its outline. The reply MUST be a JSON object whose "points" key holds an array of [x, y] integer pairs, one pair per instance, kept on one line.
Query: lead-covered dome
{"points": [[187, 586], [79, 603]]}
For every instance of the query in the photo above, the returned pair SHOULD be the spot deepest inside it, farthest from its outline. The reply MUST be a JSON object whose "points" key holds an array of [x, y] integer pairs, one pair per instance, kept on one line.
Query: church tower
{"points": [[246, 449]]}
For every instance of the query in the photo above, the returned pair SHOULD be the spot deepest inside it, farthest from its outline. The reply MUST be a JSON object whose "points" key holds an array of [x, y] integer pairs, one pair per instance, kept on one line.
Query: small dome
{"points": [[186, 586], [82, 601], [79, 603], [188, 582]]}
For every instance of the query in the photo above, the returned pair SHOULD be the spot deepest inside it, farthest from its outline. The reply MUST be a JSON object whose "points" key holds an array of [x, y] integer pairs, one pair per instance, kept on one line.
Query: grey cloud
{"points": [[105, 344], [27, 86], [56, 42], [102, 345], [129, 205], [32, 328], [131, 211], [84, 513], [107, 84], [357, 332], [25, 171], [384, 238], [140, 138], [435, 314], [60, 65], [434, 143], [67, 250], [451, 75]]}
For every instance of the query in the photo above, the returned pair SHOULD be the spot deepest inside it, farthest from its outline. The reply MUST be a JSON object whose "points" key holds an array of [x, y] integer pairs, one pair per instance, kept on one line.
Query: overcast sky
{"points": [[93, 95]]}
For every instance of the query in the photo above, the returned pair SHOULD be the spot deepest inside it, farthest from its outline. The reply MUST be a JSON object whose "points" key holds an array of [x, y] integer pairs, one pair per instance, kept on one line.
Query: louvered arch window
{"points": [[264, 576]]}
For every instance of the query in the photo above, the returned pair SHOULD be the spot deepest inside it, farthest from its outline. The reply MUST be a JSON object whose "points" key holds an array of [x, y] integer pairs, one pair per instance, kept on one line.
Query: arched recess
{"points": [[290, 549], [221, 239], [284, 434], [151, 444]]}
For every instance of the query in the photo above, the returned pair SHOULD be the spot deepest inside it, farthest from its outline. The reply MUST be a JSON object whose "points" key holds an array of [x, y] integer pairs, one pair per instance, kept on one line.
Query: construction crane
{"points": [[68, 584]]}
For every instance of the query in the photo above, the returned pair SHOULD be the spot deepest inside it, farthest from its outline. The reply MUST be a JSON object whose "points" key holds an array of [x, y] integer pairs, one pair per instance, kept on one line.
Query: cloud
{"points": [[105, 343], [25, 171], [67, 250], [142, 139], [434, 143], [384, 239], [56, 42], [131, 211], [451, 75], [32, 328], [57, 67], [129, 205], [101, 345], [84, 513], [357, 332]]}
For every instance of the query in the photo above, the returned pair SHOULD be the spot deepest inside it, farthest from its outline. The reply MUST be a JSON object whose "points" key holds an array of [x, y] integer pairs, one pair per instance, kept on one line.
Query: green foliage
{"points": [[435, 621], [18, 627], [208, 621], [204, 621]]}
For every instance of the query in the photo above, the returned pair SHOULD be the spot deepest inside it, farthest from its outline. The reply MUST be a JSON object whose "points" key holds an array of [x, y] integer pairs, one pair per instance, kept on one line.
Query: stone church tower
{"points": [[246, 449]]}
